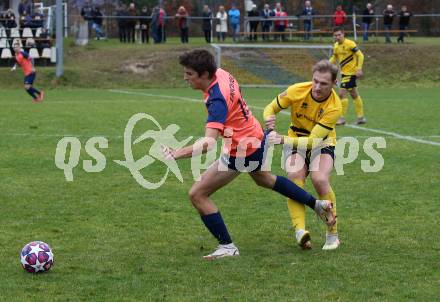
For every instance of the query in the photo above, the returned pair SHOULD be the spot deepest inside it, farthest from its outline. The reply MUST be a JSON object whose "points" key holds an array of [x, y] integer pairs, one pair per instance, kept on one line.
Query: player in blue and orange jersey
{"points": [[229, 117], [26, 63]]}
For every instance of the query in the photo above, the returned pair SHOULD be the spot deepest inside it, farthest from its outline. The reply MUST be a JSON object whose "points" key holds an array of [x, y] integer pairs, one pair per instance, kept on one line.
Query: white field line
{"points": [[59, 135], [396, 135], [121, 136], [388, 133]]}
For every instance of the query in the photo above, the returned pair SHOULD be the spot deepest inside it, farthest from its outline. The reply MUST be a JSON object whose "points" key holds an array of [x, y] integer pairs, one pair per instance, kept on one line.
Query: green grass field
{"points": [[109, 64], [116, 241]]}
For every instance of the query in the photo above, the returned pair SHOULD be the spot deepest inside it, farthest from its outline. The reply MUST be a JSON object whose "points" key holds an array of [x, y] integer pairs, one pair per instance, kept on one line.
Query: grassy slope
{"points": [[104, 64], [114, 241]]}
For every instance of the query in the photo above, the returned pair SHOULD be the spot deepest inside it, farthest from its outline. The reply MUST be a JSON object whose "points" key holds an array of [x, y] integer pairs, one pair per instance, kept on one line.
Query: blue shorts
{"points": [[29, 79], [309, 155], [250, 163], [348, 81]]}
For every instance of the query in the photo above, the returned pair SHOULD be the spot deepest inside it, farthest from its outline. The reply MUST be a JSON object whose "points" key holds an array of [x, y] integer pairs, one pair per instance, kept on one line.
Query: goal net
{"points": [[266, 65]]}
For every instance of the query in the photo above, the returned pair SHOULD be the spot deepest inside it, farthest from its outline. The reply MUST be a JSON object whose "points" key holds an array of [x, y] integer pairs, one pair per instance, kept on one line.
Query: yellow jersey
{"points": [[349, 57], [307, 114]]}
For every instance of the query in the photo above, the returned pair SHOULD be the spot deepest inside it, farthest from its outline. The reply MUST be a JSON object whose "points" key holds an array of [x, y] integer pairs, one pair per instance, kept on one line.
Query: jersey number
{"points": [[244, 108]]}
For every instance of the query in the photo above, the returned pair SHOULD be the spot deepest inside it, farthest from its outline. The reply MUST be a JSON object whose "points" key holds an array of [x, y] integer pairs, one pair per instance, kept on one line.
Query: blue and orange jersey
{"points": [[229, 113], [25, 61]]}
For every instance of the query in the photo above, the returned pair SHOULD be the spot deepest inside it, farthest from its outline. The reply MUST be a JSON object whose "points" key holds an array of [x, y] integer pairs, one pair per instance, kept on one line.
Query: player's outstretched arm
{"points": [[360, 62], [269, 121], [318, 133], [333, 59], [202, 145], [279, 103]]}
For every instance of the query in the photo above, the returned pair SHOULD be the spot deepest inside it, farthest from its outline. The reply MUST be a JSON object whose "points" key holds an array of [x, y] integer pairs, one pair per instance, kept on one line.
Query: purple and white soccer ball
{"points": [[36, 257]]}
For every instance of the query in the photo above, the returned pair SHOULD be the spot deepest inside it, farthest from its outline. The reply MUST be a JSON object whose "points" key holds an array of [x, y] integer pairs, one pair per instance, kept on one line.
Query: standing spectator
{"points": [[234, 19], [158, 24], [131, 23], [161, 25], [253, 24], [404, 16], [182, 22], [97, 23], [25, 14], [281, 24], [207, 23], [339, 17], [144, 23], [86, 13], [25, 7], [266, 24], [155, 24], [308, 13], [222, 23], [388, 16], [10, 22], [122, 14], [367, 18]]}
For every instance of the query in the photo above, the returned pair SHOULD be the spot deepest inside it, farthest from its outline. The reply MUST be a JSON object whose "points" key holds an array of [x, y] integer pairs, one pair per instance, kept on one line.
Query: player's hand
{"points": [[168, 153], [270, 122], [274, 138], [359, 74]]}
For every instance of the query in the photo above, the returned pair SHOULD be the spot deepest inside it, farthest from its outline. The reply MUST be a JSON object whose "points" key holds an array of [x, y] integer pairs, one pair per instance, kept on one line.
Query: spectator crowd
{"points": [[271, 23], [28, 28], [268, 23]]}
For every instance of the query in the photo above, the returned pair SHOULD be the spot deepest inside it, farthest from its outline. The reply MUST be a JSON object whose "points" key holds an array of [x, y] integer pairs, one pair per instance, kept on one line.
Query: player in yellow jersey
{"points": [[350, 60], [315, 108]]}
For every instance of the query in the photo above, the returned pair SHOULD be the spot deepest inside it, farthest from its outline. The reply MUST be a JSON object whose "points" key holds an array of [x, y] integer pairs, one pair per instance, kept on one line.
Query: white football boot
{"points": [[303, 239], [223, 250], [331, 242], [324, 210]]}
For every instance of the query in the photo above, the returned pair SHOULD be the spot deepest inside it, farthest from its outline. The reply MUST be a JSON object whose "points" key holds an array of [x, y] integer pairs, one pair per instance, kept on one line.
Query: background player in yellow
{"points": [[350, 60], [315, 108]]}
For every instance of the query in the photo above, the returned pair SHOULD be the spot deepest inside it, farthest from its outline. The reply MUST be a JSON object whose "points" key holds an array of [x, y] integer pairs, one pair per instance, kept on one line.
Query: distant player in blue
{"points": [[26, 63]]}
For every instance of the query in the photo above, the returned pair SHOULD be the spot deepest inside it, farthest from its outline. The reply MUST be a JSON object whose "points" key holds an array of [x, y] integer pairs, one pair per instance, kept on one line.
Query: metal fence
{"points": [[321, 27]]}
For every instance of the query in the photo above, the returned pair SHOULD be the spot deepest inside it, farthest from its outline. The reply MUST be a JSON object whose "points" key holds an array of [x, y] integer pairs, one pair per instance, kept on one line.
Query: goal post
{"points": [[269, 65]]}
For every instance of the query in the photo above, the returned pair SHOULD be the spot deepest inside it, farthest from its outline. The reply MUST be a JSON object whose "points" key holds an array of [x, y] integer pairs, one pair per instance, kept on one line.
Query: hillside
{"points": [[109, 64]]}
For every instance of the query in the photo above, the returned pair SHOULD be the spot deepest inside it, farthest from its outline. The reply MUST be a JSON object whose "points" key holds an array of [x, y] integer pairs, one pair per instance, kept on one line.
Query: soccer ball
{"points": [[36, 257]]}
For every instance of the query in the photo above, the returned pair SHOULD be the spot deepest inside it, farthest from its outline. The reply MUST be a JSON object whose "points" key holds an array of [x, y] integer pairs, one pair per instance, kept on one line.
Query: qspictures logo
{"points": [[67, 154]]}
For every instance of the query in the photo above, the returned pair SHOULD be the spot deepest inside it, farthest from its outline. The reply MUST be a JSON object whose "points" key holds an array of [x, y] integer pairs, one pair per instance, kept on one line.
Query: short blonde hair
{"points": [[326, 66]]}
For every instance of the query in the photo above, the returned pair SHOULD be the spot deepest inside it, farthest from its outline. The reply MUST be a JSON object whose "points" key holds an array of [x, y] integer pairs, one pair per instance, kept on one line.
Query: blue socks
{"points": [[215, 224], [289, 189], [32, 91]]}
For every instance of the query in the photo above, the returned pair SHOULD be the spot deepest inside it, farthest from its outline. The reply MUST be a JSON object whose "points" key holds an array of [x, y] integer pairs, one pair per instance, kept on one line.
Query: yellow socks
{"points": [[344, 103], [359, 106], [332, 197], [297, 210]]}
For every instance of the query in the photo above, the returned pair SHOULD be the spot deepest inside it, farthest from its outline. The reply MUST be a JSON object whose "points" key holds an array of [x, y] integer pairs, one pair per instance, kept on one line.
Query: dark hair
{"points": [[326, 66], [200, 60], [338, 28]]}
